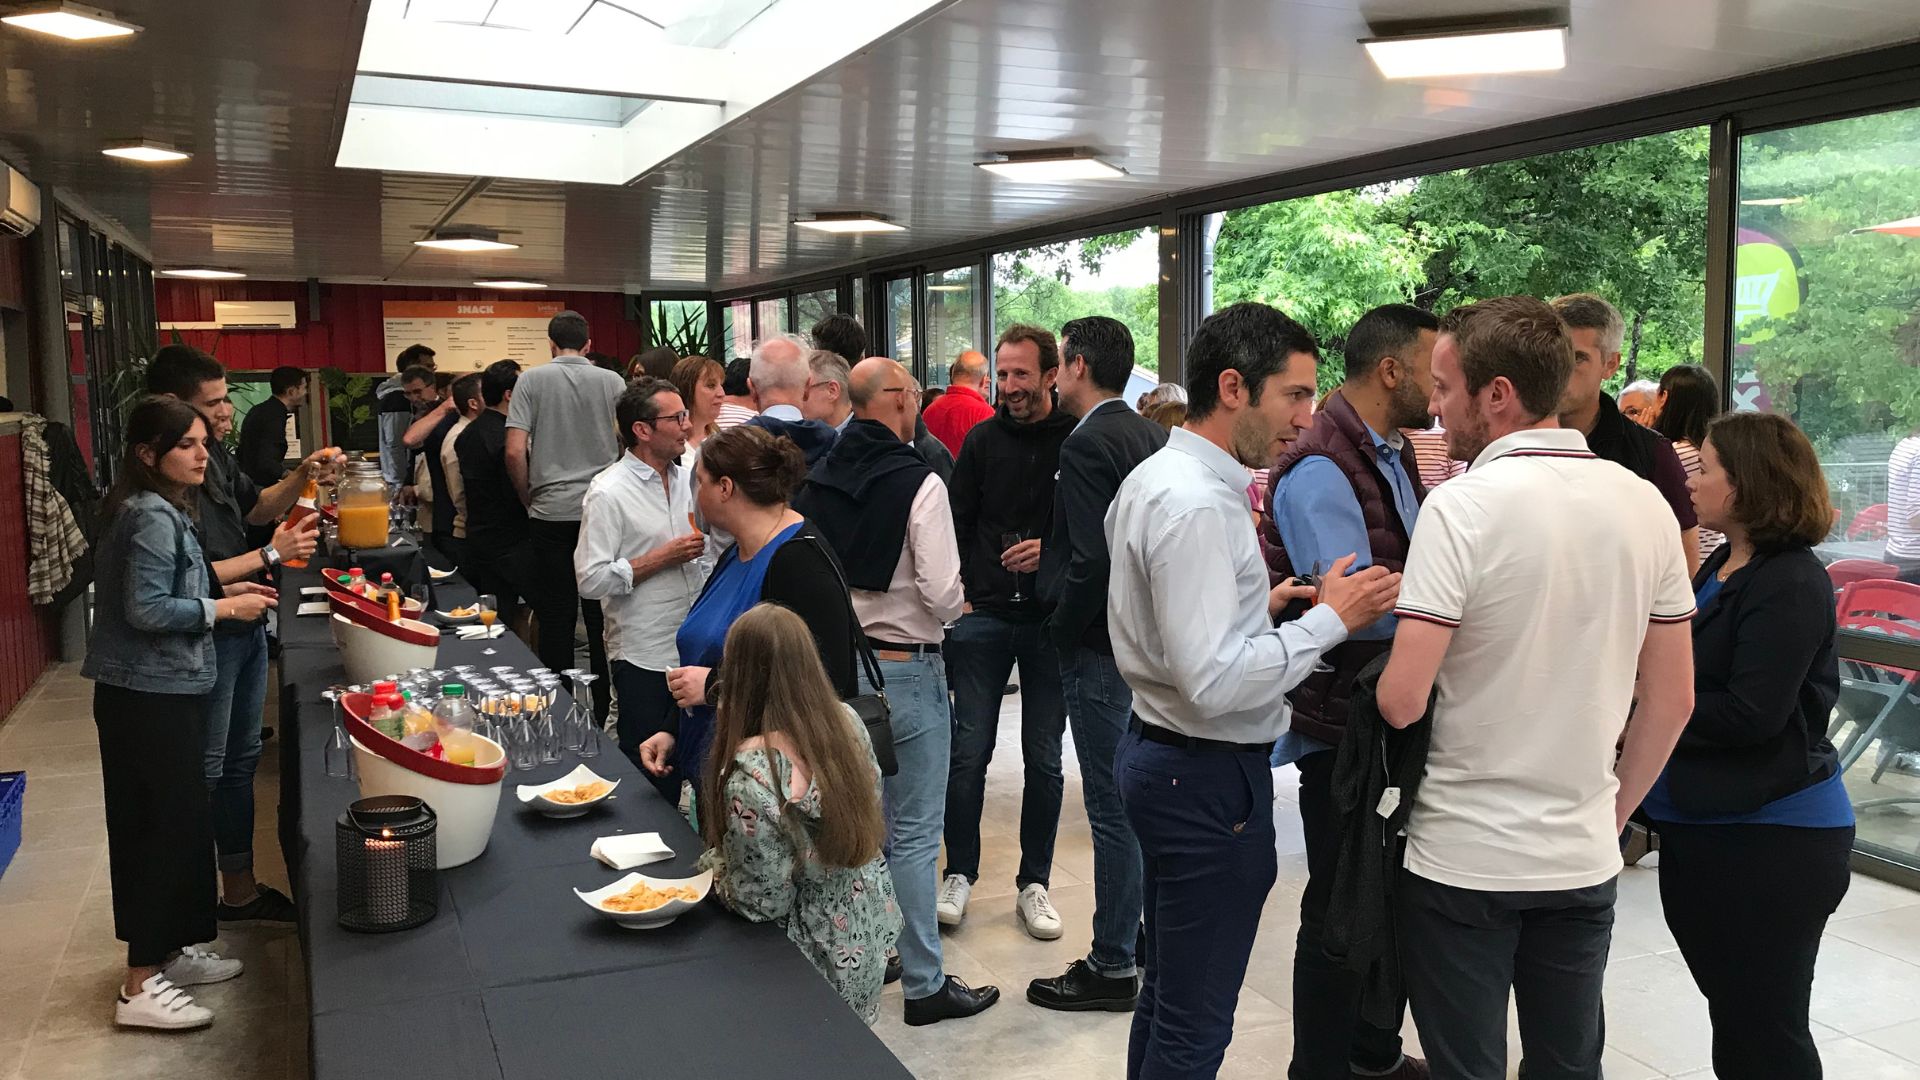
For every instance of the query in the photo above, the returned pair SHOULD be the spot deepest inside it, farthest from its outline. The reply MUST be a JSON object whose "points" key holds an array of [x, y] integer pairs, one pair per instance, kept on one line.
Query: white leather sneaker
{"points": [[160, 1005], [1037, 914], [952, 905], [197, 966]]}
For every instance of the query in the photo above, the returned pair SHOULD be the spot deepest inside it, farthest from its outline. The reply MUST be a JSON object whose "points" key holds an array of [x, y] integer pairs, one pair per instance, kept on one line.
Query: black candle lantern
{"points": [[384, 852]]}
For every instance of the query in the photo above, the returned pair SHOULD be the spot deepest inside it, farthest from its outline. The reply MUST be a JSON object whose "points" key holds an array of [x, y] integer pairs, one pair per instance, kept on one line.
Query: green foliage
{"points": [[1035, 286], [350, 401], [681, 325]]}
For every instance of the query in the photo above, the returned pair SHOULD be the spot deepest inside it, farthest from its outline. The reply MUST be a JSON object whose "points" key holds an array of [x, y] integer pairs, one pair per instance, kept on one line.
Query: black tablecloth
{"points": [[515, 977]]}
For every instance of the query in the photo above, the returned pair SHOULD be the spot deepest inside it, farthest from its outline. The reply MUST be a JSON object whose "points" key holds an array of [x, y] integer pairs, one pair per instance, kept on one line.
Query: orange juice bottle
{"points": [[393, 605], [305, 508]]}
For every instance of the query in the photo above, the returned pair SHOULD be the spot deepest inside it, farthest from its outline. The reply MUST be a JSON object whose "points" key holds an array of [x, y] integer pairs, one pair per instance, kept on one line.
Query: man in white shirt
{"points": [[1537, 585], [637, 555], [885, 513], [1191, 618], [467, 403]]}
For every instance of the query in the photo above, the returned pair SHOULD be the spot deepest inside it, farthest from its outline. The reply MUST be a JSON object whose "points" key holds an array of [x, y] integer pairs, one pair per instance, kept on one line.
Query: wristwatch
{"points": [[269, 556]]}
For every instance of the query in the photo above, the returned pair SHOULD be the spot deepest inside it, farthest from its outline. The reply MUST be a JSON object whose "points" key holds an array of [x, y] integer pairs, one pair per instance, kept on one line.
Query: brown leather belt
{"points": [[890, 650]]}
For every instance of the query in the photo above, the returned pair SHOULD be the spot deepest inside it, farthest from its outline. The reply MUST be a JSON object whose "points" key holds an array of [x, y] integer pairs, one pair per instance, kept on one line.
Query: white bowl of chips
{"points": [[639, 902], [570, 796]]}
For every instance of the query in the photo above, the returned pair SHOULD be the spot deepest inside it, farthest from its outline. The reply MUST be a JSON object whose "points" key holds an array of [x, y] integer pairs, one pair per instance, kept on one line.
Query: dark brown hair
{"points": [[657, 362], [155, 423], [776, 684], [1042, 339], [1518, 337], [690, 372], [1779, 492], [767, 468]]}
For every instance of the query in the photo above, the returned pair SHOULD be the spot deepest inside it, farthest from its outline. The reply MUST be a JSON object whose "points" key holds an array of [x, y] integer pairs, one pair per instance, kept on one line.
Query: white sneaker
{"points": [[952, 905], [197, 966], [1037, 914], [162, 1005]]}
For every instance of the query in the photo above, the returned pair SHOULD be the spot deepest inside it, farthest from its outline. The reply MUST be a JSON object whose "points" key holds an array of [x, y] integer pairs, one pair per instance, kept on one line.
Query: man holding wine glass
{"points": [[1002, 496]]}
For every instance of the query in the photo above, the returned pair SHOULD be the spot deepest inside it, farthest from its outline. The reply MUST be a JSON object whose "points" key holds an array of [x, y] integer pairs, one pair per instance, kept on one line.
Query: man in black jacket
{"points": [[1109, 440], [1002, 501], [263, 434]]}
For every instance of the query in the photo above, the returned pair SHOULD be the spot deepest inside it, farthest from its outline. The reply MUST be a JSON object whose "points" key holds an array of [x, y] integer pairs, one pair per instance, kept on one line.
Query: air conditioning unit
{"points": [[254, 315], [21, 214]]}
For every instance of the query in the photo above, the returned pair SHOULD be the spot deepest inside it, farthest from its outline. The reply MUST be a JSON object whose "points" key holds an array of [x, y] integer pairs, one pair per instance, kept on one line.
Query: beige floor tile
{"points": [[44, 761], [245, 1044], [1858, 989], [35, 726], [1901, 1040], [58, 876], [1870, 896], [19, 1009], [12, 1053], [1639, 923], [1895, 932], [1655, 1015], [80, 1002], [32, 935], [64, 792]]}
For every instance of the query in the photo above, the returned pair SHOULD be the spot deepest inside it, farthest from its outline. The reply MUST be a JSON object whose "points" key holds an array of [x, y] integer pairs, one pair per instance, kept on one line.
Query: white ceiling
{"points": [[1183, 93]]}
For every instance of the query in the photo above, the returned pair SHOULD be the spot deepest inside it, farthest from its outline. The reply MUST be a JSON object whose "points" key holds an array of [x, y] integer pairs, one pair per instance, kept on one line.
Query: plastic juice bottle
{"points": [[385, 716], [356, 577], [308, 506], [418, 720], [393, 605], [453, 720]]}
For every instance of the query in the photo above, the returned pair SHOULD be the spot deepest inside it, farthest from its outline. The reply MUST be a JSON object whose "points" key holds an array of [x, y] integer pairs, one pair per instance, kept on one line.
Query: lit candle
{"points": [[386, 880]]}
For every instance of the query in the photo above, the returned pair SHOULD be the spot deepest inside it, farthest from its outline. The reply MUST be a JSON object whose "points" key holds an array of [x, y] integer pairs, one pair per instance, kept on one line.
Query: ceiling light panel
{"points": [[202, 273], [1051, 168], [75, 22], [466, 241], [510, 283], [146, 152], [849, 224], [1474, 52]]}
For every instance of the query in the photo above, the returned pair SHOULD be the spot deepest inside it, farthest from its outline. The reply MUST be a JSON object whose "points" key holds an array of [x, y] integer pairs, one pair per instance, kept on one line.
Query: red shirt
{"points": [[951, 417]]}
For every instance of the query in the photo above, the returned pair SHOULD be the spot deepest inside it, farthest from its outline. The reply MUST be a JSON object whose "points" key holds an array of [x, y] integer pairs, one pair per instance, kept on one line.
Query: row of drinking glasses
{"points": [[514, 709]]}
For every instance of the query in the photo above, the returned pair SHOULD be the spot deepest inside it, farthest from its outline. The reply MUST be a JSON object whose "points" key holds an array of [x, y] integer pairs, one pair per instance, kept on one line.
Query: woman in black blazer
{"points": [[1755, 825]]}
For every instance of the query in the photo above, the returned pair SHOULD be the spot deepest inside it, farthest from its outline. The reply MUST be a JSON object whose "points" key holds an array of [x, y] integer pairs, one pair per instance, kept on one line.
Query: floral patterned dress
{"points": [[844, 920]]}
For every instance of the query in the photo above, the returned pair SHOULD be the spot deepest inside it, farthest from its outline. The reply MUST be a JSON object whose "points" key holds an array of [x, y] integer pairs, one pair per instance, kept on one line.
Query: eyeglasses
{"points": [[680, 417]]}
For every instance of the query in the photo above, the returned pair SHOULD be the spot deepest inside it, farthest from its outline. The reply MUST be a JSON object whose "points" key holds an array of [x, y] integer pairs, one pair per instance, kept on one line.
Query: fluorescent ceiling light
{"points": [[1051, 166], [1784, 200], [465, 240], [510, 283], [860, 222], [74, 22], [1469, 52], [145, 151], [203, 273]]}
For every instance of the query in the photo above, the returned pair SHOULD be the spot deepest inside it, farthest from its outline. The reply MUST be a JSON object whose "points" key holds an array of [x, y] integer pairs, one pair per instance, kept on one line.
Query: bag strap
{"points": [[860, 646]]}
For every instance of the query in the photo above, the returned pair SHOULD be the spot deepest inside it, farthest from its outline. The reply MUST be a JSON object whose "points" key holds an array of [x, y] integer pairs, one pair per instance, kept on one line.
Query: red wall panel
{"points": [[28, 638], [349, 333]]}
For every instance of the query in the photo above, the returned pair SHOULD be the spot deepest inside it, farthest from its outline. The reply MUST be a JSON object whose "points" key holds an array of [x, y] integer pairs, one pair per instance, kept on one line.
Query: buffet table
{"points": [[516, 977]]}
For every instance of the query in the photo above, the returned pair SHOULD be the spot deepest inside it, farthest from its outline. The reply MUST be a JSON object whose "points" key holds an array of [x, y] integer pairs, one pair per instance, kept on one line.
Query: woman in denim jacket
{"points": [[151, 660]]}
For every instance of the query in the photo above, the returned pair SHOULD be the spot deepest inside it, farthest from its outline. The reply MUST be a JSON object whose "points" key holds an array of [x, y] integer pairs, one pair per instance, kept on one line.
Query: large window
{"points": [[953, 319], [1626, 220], [1826, 309], [770, 317], [678, 324], [1116, 274], [897, 335], [812, 306], [736, 329]]}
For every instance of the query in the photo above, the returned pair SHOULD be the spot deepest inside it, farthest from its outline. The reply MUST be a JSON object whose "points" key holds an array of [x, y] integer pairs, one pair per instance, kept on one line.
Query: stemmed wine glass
{"points": [[1009, 540], [338, 757], [570, 728], [489, 605]]}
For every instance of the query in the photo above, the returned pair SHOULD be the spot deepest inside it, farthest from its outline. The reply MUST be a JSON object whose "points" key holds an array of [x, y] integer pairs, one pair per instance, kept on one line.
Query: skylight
{"points": [[586, 91]]}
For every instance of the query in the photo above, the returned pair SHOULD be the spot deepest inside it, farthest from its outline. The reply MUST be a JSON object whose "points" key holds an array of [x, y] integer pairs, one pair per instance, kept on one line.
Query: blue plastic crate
{"points": [[13, 808]]}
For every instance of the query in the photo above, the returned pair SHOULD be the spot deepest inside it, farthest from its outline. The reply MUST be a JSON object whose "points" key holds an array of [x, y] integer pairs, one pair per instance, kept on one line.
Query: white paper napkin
{"points": [[631, 850], [315, 608]]}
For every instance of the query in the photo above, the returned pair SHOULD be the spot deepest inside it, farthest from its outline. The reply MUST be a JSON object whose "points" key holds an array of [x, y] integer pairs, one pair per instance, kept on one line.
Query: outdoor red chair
{"points": [[1878, 700], [1845, 572], [1869, 524]]}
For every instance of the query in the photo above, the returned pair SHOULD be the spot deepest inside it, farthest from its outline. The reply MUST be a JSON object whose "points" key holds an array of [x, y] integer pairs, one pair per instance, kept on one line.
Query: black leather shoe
{"points": [[951, 1002], [1083, 989], [893, 968]]}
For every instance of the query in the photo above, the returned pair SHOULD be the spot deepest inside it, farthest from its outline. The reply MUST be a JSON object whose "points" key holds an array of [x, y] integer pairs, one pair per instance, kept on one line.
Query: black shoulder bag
{"points": [[872, 709]]}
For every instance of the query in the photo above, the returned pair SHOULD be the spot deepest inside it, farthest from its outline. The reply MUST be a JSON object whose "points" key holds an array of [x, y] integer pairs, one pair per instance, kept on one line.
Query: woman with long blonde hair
{"points": [[790, 807]]}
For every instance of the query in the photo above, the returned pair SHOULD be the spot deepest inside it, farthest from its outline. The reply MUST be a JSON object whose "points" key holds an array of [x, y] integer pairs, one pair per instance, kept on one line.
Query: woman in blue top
{"points": [[1754, 822], [152, 660], [745, 478]]}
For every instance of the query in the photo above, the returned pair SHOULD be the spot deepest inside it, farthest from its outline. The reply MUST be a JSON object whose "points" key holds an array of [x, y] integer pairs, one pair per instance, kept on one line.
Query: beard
{"points": [[1470, 435], [1252, 438], [1407, 408], [1020, 404]]}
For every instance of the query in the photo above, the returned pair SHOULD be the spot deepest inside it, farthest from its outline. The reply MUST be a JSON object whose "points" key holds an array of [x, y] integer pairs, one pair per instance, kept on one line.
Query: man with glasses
{"points": [[826, 397], [637, 556]]}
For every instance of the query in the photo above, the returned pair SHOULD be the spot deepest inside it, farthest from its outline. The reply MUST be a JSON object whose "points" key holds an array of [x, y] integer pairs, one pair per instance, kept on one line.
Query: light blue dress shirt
{"points": [[1319, 519]]}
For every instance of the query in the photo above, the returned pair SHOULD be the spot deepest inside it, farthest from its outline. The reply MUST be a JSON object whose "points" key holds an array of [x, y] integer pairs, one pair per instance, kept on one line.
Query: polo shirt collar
{"points": [[966, 391], [1217, 461], [783, 412], [571, 359], [1536, 442]]}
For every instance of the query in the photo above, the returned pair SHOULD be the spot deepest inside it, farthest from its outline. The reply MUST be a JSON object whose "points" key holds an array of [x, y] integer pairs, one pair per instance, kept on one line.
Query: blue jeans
{"points": [[1098, 706], [233, 709], [1205, 823], [981, 651], [915, 799]]}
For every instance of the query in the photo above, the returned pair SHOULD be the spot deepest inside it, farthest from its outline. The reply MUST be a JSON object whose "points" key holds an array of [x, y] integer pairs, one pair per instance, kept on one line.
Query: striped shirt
{"points": [[1430, 452], [1903, 499], [1689, 457], [731, 414]]}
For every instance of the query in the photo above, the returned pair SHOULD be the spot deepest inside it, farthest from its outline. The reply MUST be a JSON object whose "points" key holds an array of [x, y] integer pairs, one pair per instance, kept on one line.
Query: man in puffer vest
{"points": [[1348, 485]]}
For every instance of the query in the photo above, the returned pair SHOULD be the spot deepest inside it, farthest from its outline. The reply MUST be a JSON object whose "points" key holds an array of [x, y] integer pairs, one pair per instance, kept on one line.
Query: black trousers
{"points": [[1747, 905], [646, 709], [1329, 1038], [159, 821], [1462, 950], [497, 568], [555, 599]]}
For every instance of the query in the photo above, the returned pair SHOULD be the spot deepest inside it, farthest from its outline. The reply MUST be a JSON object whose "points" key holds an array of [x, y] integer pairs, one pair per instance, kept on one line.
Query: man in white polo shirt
{"points": [[1537, 585]]}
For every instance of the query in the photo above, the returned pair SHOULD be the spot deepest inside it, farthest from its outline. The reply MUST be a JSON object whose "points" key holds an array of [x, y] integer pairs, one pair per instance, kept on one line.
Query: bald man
{"points": [[965, 402], [885, 513]]}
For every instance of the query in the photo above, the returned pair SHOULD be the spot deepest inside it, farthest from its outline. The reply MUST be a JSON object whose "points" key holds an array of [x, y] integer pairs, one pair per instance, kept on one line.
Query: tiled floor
{"points": [[57, 948]]}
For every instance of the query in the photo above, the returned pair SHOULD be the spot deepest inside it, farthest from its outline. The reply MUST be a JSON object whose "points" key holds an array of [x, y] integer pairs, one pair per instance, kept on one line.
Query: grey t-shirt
{"points": [[566, 409]]}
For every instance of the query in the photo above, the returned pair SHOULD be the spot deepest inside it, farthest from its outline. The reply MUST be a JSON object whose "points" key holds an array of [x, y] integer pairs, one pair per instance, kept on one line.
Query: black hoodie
{"points": [[1002, 483], [859, 496]]}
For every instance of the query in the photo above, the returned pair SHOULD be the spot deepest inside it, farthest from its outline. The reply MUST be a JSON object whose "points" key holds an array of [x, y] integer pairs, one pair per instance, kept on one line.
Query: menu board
{"points": [[467, 335]]}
